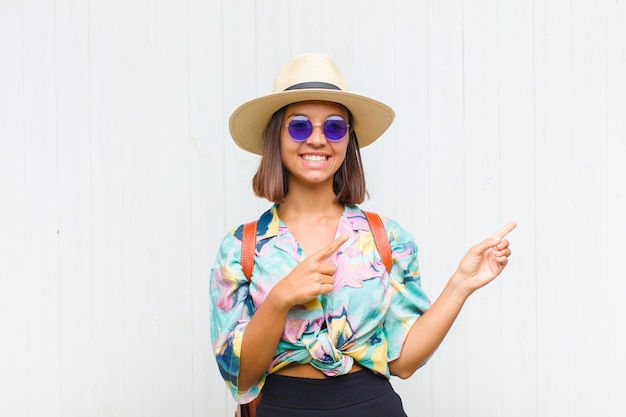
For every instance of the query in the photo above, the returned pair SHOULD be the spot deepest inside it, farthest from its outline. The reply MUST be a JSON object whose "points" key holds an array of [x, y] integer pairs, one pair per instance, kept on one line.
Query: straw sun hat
{"points": [[308, 77]]}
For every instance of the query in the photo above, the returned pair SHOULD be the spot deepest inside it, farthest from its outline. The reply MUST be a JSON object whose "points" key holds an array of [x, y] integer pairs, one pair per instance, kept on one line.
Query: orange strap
{"points": [[248, 243], [380, 238]]}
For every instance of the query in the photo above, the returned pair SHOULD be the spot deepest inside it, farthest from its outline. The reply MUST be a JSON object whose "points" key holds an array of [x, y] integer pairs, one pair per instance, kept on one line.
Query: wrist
{"points": [[458, 288], [277, 302]]}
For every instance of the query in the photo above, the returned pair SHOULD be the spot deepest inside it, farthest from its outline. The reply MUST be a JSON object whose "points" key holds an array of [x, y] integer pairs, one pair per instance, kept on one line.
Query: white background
{"points": [[118, 179]]}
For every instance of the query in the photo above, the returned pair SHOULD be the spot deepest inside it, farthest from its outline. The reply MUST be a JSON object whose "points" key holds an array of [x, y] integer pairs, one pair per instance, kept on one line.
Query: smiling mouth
{"points": [[315, 158]]}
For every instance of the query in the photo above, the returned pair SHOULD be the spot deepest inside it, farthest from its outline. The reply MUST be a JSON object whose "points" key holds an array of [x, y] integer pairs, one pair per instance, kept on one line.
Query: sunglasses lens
{"points": [[335, 129], [300, 129]]}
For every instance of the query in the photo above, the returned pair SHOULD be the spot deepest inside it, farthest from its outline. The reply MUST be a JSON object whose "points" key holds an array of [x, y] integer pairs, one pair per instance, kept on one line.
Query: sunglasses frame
{"points": [[313, 125]]}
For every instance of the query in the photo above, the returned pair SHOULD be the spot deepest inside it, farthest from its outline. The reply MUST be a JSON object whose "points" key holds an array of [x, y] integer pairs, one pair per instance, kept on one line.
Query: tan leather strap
{"points": [[380, 238], [248, 243]]}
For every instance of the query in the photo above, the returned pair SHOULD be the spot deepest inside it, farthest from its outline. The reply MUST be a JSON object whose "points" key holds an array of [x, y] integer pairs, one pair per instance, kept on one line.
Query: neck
{"points": [[310, 205]]}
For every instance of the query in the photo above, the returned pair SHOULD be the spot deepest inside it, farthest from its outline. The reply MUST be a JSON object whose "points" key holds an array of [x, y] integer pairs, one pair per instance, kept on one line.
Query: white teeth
{"points": [[314, 158]]}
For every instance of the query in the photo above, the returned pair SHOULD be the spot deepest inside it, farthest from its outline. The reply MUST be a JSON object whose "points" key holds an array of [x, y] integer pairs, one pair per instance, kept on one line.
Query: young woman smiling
{"points": [[323, 323]]}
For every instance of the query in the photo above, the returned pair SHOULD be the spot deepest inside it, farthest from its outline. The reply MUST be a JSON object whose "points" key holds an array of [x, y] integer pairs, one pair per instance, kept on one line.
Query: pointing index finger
{"points": [[335, 244], [504, 230]]}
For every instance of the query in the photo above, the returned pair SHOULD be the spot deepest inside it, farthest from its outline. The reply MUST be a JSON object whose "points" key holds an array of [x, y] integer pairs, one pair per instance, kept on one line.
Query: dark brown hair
{"points": [[271, 180]]}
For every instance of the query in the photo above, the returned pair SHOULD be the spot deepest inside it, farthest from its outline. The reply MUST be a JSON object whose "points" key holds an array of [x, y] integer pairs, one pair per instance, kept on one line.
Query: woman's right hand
{"points": [[311, 278]]}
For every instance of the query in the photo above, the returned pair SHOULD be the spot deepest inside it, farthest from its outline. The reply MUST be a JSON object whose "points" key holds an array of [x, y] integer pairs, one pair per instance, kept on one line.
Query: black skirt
{"points": [[359, 394]]}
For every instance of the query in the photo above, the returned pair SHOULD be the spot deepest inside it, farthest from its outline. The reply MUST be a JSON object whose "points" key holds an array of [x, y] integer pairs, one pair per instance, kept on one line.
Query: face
{"points": [[314, 160]]}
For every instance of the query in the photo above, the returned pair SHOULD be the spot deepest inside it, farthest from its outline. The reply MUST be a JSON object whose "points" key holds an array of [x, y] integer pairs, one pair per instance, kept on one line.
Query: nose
{"points": [[317, 137]]}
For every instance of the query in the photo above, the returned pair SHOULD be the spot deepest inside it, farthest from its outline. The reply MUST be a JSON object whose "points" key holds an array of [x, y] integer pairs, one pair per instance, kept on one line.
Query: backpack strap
{"points": [[380, 238], [248, 243]]}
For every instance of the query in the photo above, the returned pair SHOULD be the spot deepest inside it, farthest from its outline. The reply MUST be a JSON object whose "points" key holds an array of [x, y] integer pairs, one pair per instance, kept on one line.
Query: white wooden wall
{"points": [[118, 179]]}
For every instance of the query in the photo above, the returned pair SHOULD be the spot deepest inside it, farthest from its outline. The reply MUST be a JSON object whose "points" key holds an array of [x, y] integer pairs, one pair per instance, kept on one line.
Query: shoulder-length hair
{"points": [[271, 180]]}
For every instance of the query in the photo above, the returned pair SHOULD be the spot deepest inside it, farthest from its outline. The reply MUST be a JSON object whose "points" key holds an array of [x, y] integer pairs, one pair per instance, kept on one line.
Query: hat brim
{"points": [[370, 117]]}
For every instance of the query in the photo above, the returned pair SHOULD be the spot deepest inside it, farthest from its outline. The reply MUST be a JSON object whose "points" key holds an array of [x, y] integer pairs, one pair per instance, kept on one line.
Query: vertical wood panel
{"points": [[555, 199], [329, 27], [482, 199], [173, 360], [409, 146], [206, 124], [589, 158], [305, 34], [516, 79], [107, 197], [240, 66], [616, 206], [371, 74], [273, 46], [74, 205], [445, 198], [335, 29], [140, 245], [407, 165], [235, 202], [274, 40], [41, 210], [14, 307]]}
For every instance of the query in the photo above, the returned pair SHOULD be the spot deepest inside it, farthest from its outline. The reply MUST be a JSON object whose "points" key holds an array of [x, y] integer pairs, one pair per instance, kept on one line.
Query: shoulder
{"points": [[395, 232], [229, 255], [265, 225]]}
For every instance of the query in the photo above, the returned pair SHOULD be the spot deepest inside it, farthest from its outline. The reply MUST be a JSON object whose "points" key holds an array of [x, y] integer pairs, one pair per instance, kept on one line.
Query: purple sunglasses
{"points": [[334, 128]]}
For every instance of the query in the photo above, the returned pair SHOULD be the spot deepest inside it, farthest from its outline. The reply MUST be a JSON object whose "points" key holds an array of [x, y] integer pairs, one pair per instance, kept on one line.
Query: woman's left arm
{"points": [[480, 265]]}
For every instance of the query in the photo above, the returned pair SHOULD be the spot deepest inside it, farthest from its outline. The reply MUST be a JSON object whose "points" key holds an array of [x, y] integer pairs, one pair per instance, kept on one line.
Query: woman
{"points": [[322, 325]]}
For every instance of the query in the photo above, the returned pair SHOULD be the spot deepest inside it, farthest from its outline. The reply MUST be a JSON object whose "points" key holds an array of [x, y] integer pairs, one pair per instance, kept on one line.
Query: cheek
{"points": [[288, 152], [286, 146], [341, 151]]}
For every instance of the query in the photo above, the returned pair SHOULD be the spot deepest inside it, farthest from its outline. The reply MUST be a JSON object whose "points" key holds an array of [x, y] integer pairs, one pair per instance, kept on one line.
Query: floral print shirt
{"points": [[365, 318]]}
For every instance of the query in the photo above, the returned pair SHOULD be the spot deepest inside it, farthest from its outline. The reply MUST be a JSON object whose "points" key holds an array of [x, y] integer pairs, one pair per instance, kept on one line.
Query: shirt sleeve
{"points": [[408, 299], [231, 310]]}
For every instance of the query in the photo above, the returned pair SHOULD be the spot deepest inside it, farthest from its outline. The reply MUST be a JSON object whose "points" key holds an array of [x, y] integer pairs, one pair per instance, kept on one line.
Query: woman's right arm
{"points": [[312, 277]]}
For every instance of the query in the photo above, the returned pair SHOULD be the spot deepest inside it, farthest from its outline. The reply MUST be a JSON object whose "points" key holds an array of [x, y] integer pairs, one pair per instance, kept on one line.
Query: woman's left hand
{"points": [[484, 261]]}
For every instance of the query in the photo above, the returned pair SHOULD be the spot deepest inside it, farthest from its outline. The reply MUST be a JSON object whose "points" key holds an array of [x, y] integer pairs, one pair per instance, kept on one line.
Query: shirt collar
{"points": [[352, 220]]}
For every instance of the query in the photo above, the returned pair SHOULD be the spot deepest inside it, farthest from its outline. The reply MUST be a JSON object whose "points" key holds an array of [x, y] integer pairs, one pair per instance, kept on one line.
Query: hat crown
{"points": [[309, 68]]}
